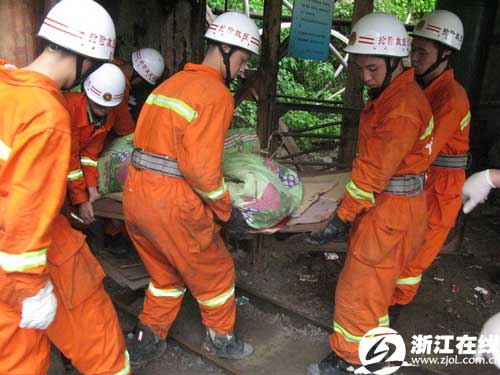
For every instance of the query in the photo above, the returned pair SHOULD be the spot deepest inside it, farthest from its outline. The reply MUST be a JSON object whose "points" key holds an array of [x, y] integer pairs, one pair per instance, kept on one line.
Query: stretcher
{"points": [[322, 194]]}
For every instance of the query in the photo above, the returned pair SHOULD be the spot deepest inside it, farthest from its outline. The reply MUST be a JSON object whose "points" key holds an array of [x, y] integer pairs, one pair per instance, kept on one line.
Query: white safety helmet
{"points": [[81, 26], [235, 29], [148, 63], [106, 86], [490, 333], [380, 34], [443, 27]]}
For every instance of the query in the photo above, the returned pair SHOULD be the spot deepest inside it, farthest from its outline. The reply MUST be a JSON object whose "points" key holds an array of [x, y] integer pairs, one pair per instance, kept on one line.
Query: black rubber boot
{"points": [[332, 365], [226, 346], [495, 276], [118, 246], [144, 346], [394, 312]]}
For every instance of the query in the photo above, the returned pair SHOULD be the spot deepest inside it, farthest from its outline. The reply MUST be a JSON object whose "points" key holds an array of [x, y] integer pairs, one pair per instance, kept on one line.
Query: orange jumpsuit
{"points": [[87, 144], [395, 135], [443, 189], [36, 243], [124, 125], [169, 219]]}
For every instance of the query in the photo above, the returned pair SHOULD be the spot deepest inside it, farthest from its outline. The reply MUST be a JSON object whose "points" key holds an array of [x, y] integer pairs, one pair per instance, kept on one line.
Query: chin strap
{"points": [[375, 93], [95, 120], [226, 56], [79, 77], [420, 77]]}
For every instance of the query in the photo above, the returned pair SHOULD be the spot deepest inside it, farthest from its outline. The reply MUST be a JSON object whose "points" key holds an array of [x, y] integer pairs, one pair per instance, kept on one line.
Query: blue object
{"points": [[311, 27]]}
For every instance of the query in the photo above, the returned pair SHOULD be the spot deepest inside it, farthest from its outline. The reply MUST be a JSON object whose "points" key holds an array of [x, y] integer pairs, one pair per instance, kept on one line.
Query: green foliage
{"points": [[314, 79], [401, 8]]}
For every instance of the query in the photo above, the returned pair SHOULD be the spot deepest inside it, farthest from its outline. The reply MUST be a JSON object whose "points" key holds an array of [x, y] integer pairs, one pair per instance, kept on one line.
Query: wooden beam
{"points": [[258, 16], [18, 28], [353, 95], [250, 85], [182, 27], [267, 121], [198, 28], [283, 108]]}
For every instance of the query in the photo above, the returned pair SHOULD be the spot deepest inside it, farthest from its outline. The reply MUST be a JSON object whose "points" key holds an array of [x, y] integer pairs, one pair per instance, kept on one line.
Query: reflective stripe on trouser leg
{"points": [[373, 264], [91, 350], [126, 365], [164, 296], [382, 322], [175, 256], [407, 285], [171, 293], [218, 300], [220, 317], [213, 288], [443, 212], [353, 320], [409, 280]]}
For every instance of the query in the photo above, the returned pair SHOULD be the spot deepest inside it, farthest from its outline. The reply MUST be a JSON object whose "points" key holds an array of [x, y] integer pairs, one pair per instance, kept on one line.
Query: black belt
{"points": [[452, 161], [409, 185], [141, 159]]}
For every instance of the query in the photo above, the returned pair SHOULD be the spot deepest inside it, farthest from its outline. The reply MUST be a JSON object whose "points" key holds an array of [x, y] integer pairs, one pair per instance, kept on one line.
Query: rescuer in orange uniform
{"points": [[93, 114], [50, 284], [436, 36], [383, 202], [175, 196], [141, 74], [144, 71]]}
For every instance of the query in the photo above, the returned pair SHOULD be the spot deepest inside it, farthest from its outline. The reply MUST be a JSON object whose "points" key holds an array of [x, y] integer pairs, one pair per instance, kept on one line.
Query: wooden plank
{"points": [[108, 208], [292, 148], [133, 278]]}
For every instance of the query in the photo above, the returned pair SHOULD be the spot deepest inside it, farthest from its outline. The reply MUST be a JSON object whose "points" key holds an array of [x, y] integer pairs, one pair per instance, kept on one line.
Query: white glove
{"points": [[39, 310], [476, 190]]}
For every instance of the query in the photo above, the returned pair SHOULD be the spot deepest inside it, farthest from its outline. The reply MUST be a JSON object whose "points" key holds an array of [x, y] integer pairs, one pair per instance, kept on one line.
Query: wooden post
{"points": [[198, 28], [18, 29], [267, 120], [353, 96], [177, 34]]}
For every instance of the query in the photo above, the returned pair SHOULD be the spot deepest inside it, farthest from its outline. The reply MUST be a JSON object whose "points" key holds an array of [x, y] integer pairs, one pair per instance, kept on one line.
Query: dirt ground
{"points": [[447, 303]]}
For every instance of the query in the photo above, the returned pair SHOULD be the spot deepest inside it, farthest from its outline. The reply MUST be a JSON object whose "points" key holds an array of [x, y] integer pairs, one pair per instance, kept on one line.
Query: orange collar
{"points": [[190, 67], [447, 76], [404, 78], [29, 78]]}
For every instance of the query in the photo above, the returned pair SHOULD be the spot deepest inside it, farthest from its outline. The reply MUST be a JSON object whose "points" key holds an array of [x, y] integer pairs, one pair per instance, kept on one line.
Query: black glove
{"points": [[334, 229], [236, 226]]}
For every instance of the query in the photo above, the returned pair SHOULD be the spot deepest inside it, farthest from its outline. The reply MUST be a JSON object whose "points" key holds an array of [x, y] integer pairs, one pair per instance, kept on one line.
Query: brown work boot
{"points": [[226, 346], [144, 346]]}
